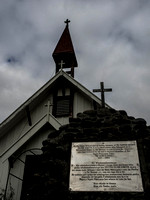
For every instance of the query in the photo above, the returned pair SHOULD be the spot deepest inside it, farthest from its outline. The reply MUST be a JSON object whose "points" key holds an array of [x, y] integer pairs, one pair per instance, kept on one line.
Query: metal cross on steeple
{"points": [[67, 21], [102, 90]]}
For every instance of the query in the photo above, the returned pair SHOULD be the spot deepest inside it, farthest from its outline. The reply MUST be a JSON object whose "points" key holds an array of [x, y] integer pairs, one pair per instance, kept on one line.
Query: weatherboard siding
{"points": [[18, 167], [3, 174], [81, 103]]}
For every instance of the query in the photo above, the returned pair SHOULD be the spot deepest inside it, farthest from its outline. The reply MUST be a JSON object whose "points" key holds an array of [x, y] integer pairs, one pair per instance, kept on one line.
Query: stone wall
{"points": [[52, 181]]}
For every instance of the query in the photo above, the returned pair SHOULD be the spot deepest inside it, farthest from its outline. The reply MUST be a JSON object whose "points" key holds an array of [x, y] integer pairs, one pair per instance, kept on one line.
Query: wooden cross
{"points": [[102, 90], [61, 64], [67, 21], [48, 108]]}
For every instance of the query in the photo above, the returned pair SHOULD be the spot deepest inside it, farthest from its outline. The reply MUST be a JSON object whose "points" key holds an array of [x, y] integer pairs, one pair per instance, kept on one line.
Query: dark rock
{"points": [[98, 122], [64, 127], [123, 112], [68, 136], [81, 115], [74, 124], [74, 120], [117, 119], [139, 121], [103, 112], [112, 111], [88, 123], [125, 128], [45, 142], [91, 113], [131, 118], [72, 130], [90, 130], [108, 129], [54, 134]]}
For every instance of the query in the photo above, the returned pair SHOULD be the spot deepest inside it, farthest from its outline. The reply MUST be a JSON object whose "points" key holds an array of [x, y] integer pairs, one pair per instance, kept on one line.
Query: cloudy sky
{"points": [[111, 39]]}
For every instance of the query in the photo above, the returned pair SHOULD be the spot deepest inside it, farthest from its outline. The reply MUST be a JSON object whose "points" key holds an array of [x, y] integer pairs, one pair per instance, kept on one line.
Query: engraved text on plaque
{"points": [[105, 166]]}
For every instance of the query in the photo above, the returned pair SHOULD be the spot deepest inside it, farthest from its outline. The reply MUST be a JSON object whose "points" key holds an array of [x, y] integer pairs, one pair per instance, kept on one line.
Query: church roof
{"points": [[65, 43], [33, 100]]}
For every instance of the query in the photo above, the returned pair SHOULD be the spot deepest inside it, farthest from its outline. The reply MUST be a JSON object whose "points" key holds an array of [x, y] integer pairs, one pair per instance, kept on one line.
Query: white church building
{"points": [[22, 133]]}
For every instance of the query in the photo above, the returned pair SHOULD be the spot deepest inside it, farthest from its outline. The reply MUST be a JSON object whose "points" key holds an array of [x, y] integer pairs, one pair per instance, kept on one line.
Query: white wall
{"points": [[80, 104], [15, 184]]}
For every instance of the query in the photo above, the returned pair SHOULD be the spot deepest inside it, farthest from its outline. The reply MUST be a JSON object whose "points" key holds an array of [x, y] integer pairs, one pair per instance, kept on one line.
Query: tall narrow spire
{"points": [[64, 51]]}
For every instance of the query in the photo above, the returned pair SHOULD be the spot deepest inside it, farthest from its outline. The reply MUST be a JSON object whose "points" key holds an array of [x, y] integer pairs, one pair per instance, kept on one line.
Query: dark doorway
{"points": [[32, 179]]}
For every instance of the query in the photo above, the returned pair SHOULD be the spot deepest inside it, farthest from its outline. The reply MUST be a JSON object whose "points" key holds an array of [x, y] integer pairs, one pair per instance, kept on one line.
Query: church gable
{"points": [[65, 96], [62, 93]]}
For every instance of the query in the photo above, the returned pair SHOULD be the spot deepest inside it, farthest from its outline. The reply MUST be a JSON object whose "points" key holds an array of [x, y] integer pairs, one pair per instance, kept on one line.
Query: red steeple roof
{"points": [[65, 43], [64, 50]]}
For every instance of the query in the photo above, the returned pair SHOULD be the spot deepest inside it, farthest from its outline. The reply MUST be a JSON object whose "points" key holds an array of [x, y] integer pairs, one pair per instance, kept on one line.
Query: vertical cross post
{"points": [[102, 90], [48, 108], [61, 64]]}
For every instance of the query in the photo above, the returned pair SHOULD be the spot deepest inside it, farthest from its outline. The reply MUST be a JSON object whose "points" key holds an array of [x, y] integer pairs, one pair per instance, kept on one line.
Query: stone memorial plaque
{"points": [[105, 166]]}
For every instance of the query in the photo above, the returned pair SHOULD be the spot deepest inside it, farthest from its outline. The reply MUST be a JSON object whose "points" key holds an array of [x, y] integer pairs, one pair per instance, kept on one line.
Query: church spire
{"points": [[64, 51]]}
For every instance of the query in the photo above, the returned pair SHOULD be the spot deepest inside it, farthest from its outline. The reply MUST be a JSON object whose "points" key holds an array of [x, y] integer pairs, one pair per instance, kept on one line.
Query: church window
{"points": [[62, 104]]}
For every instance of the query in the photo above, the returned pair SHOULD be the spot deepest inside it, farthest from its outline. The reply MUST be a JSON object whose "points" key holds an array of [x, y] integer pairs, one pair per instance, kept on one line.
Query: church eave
{"points": [[20, 111], [29, 134]]}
